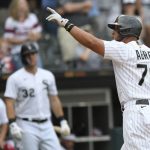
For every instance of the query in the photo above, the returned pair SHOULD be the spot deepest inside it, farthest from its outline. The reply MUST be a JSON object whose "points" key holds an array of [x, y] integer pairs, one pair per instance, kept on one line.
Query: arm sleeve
{"points": [[3, 114], [9, 29], [36, 25], [52, 86], [116, 51], [11, 88]]}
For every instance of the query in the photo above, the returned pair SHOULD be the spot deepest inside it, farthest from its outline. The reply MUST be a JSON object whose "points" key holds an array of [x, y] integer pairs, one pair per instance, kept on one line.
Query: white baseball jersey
{"points": [[31, 93], [131, 64], [19, 30], [3, 114]]}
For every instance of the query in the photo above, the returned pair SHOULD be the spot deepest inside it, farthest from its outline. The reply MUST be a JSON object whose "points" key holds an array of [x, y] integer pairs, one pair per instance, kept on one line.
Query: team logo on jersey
{"points": [[45, 82]]}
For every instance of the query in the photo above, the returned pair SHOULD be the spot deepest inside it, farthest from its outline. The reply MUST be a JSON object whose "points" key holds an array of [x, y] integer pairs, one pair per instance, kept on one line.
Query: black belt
{"points": [[138, 102], [35, 120], [142, 102]]}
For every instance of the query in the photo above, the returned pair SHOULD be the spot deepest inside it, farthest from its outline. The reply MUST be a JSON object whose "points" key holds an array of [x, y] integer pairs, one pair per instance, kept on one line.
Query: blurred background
{"points": [[85, 81]]}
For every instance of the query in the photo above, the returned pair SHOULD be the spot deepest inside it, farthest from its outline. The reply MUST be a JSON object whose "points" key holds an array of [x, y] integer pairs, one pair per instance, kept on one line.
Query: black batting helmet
{"points": [[127, 25], [25, 50]]}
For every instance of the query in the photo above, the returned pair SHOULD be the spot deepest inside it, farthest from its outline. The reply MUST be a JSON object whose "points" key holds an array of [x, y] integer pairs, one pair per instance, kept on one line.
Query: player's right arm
{"points": [[10, 108], [10, 97], [86, 39], [3, 124]]}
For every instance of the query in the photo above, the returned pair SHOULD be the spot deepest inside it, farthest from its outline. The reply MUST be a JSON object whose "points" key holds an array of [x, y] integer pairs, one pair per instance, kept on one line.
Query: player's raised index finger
{"points": [[51, 10]]}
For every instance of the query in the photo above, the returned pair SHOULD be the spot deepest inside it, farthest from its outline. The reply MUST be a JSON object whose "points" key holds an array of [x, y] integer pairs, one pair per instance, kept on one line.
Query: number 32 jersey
{"points": [[131, 63], [31, 93]]}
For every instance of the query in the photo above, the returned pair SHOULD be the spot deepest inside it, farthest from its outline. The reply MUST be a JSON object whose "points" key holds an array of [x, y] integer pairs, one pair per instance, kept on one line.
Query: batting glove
{"points": [[15, 131], [65, 129], [54, 16]]}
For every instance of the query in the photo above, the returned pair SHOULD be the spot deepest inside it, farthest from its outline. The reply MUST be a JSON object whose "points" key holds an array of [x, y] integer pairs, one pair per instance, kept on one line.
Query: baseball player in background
{"points": [[3, 124], [131, 62], [30, 94], [3, 119]]}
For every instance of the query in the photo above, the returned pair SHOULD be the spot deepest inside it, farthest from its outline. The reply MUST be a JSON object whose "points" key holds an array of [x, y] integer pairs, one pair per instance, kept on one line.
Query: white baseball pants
{"points": [[38, 136], [136, 126]]}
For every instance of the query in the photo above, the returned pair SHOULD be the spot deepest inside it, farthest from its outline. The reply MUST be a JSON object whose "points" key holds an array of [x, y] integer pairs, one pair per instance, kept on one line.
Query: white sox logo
{"points": [[45, 82]]}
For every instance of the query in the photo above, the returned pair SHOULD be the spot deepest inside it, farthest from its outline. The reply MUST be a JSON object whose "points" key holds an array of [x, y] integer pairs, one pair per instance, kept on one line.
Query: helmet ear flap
{"points": [[124, 31]]}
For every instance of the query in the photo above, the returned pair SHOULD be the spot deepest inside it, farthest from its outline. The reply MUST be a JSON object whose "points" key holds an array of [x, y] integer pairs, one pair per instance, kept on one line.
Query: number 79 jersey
{"points": [[131, 63]]}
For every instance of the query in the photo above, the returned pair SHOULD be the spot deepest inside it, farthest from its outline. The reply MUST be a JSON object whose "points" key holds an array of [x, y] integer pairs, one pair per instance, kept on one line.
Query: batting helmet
{"points": [[127, 25], [25, 50]]}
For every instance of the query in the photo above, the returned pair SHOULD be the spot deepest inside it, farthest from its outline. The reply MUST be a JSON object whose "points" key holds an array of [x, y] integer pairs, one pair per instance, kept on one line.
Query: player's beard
{"points": [[120, 38]]}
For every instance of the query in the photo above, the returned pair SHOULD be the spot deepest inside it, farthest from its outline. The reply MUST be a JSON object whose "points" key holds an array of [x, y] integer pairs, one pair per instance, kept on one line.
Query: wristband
{"points": [[61, 118], [12, 120], [68, 26]]}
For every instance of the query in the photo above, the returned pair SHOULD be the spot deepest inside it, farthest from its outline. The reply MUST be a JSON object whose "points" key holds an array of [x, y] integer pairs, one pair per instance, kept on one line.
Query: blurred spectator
{"points": [[34, 6], [86, 59], [77, 12], [68, 142], [21, 27], [145, 8], [5, 57], [95, 19], [9, 145], [51, 28], [128, 7], [3, 124], [105, 7], [114, 12], [52, 54]]}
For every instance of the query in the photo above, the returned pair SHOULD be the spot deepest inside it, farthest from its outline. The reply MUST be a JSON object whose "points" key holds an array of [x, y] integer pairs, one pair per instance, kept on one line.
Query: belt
{"points": [[136, 102], [35, 120], [142, 102]]}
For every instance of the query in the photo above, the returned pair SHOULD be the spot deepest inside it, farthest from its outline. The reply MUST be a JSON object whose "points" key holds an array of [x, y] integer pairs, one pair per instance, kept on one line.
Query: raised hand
{"points": [[54, 16]]}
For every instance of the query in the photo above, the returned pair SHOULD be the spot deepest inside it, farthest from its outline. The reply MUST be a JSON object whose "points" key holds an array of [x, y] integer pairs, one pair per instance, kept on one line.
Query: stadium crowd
{"points": [[23, 23]]}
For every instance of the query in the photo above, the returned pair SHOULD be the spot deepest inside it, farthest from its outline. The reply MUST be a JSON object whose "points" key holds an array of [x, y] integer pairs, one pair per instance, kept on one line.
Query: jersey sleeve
{"points": [[52, 86], [11, 88], [9, 28], [116, 51], [36, 26], [3, 114]]}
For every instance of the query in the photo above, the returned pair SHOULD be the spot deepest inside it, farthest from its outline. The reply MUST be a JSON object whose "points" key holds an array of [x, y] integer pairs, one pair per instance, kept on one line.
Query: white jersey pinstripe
{"points": [[131, 64], [130, 61]]}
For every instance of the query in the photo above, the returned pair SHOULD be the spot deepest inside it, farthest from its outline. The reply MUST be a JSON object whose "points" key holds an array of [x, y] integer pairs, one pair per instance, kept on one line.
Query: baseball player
{"points": [[3, 119], [3, 123], [131, 62], [30, 94]]}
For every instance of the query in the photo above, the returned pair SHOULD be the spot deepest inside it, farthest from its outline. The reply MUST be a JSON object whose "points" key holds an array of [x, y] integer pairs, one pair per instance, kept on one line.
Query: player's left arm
{"points": [[83, 37], [58, 112], [56, 106]]}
